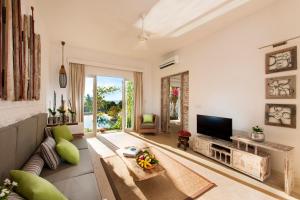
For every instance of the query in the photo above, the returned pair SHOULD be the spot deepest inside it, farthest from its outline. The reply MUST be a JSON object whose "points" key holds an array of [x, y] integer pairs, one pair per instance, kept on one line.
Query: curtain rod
{"points": [[105, 65], [276, 44]]}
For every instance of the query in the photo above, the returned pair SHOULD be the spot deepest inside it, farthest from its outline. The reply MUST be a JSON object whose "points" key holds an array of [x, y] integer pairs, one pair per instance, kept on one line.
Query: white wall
{"points": [[97, 60], [11, 112], [227, 75]]}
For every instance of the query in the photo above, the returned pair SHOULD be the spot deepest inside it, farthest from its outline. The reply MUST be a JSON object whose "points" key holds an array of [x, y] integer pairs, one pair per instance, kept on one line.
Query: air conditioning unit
{"points": [[170, 61]]}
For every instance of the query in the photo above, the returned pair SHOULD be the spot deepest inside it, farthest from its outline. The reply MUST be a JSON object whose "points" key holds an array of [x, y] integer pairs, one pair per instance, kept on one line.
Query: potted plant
{"points": [[7, 188], [257, 134], [62, 111], [52, 112], [52, 119]]}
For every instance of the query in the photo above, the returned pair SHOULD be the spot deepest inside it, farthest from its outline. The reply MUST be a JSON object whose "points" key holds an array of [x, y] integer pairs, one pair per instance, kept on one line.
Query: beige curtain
{"points": [[138, 98], [77, 81]]}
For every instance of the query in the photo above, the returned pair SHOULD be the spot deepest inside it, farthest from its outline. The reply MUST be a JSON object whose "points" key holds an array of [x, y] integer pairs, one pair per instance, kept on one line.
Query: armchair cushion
{"points": [[148, 118]]}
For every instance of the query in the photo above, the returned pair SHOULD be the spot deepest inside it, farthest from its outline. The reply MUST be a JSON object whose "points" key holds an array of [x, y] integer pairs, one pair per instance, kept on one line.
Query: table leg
{"points": [[288, 173]]}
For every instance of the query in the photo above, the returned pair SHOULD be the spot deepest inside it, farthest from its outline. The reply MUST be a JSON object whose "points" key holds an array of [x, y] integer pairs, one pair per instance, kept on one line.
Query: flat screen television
{"points": [[217, 127]]}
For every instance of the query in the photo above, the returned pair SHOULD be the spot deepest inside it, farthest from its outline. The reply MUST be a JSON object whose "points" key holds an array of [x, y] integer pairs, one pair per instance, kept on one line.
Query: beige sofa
{"points": [[19, 141]]}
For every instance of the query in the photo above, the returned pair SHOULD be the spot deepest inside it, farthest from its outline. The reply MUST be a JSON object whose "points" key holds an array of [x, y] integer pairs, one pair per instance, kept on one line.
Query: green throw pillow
{"points": [[34, 187], [62, 132], [148, 118], [68, 151]]}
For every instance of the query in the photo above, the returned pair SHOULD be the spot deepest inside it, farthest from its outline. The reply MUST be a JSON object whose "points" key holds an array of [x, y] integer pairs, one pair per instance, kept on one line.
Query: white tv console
{"points": [[247, 156], [242, 159]]}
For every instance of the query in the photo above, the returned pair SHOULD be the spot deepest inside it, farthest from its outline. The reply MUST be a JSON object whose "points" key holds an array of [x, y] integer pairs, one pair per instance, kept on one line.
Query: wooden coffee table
{"points": [[139, 173]]}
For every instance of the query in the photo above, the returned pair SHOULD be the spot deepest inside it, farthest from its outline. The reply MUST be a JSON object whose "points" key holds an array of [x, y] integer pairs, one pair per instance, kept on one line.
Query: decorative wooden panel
{"points": [[17, 48], [165, 104], [9, 91], [25, 58], [185, 100], [1, 51], [37, 67], [20, 54]]}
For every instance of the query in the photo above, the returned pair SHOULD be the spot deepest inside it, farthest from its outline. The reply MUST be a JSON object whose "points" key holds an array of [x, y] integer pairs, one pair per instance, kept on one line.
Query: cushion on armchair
{"points": [[148, 118]]}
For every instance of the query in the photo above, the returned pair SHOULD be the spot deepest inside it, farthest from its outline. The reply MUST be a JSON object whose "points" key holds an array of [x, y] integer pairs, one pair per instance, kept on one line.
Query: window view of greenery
{"points": [[109, 104], [129, 103], [88, 105]]}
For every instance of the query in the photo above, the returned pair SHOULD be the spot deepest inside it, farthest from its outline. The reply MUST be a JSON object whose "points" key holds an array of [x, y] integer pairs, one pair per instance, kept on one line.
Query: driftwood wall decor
{"points": [[20, 54], [282, 60], [282, 87], [283, 115]]}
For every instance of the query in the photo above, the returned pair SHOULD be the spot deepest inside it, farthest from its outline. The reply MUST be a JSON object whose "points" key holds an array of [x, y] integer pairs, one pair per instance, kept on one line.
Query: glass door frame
{"points": [[125, 108]]}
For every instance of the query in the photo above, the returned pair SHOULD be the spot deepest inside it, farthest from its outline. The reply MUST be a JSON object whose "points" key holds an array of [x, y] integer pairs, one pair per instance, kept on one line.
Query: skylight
{"points": [[176, 17]]}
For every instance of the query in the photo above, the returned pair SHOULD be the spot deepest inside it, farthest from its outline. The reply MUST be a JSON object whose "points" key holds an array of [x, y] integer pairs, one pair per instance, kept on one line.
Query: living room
{"points": [[221, 57]]}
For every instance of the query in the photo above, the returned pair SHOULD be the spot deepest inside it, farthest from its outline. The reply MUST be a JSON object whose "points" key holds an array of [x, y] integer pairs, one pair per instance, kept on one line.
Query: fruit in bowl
{"points": [[146, 160]]}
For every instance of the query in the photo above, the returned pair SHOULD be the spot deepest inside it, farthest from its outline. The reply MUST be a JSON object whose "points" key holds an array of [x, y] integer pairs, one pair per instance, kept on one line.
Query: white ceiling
{"points": [[109, 25]]}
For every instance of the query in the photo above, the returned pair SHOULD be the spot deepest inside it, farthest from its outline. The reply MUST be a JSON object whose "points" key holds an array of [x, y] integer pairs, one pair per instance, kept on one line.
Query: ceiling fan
{"points": [[143, 37]]}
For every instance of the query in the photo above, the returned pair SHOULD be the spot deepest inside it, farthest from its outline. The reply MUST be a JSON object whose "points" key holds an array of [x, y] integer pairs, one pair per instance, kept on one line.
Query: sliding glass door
{"points": [[89, 105], [129, 104], [108, 104]]}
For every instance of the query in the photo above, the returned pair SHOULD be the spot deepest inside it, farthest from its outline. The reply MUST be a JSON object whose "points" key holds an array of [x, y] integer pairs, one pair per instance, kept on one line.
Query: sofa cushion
{"points": [[34, 165], [65, 170], [147, 125], [80, 187], [67, 151], [62, 132], [49, 153], [34, 187], [80, 143]]}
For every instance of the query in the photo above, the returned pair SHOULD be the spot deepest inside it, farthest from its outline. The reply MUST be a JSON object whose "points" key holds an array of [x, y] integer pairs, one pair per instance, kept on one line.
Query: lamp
{"points": [[62, 72]]}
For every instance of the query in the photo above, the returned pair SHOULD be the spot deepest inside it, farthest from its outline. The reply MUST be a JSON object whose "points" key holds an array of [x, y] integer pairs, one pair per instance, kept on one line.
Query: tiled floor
{"points": [[227, 188]]}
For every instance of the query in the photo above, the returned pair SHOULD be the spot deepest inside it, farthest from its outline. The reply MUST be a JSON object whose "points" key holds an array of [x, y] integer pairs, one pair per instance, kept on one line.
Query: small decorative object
{"points": [[62, 72], [183, 139], [283, 115], [7, 188], [146, 160], [283, 87], [62, 110], [102, 130], [131, 151], [72, 112], [257, 134], [52, 119], [174, 99], [282, 60]]}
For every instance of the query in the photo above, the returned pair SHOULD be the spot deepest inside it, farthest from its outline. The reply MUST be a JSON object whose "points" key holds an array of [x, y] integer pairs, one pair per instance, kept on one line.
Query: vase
{"points": [[258, 136], [52, 120], [73, 118]]}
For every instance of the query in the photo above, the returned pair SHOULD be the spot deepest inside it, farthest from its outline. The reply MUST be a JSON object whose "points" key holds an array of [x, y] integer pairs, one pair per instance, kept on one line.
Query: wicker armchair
{"points": [[148, 127]]}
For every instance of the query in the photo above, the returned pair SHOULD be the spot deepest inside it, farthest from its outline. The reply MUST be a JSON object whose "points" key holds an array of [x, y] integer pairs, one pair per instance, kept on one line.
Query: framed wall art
{"points": [[282, 60], [283, 115], [282, 87]]}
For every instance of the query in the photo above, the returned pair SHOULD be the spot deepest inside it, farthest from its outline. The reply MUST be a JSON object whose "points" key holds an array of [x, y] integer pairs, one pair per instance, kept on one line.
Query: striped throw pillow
{"points": [[49, 153], [14, 196], [34, 165]]}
